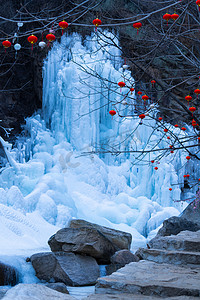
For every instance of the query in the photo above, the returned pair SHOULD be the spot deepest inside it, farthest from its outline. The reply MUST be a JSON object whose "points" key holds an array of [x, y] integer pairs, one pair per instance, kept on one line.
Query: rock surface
{"points": [[151, 279], [34, 292], [83, 240], [69, 268], [133, 297], [174, 225], [192, 214], [8, 275], [121, 239], [58, 286]]}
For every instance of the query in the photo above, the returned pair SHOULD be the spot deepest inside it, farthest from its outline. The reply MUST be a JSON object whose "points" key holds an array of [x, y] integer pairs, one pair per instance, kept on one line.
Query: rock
{"points": [[192, 214], [133, 297], [183, 241], [174, 225], [83, 240], [8, 275], [151, 279], [69, 268], [121, 239], [58, 286], [120, 259], [34, 292]]}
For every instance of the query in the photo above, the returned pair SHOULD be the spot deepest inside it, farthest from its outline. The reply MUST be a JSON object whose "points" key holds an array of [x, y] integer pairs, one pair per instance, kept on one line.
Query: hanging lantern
{"points": [[188, 98], [187, 175], [192, 109], [20, 24], [170, 189], [50, 37], [167, 17], [174, 16], [171, 151], [32, 39], [63, 25], [198, 138], [170, 146], [153, 82], [188, 158], [156, 168], [112, 112], [197, 92], [17, 47], [96, 23], [142, 116], [160, 118], [152, 161], [42, 44], [183, 128], [6, 44], [145, 97], [132, 90], [168, 137], [198, 3], [139, 93], [165, 130], [176, 125], [194, 123], [121, 84], [137, 26]]}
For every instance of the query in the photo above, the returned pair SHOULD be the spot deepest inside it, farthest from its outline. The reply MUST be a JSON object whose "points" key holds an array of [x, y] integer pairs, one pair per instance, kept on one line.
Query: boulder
{"points": [[69, 268], [8, 275], [84, 240], [34, 292], [121, 239], [192, 213], [120, 259], [58, 286], [174, 225]]}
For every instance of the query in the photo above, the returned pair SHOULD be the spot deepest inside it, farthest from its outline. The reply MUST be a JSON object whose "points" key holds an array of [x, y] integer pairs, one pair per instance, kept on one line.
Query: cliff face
{"points": [[167, 55]]}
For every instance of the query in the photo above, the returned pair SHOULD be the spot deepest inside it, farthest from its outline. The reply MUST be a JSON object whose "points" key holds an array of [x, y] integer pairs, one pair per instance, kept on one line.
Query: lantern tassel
{"points": [[137, 31], [32, 48], [62, 31], [199, 8]]}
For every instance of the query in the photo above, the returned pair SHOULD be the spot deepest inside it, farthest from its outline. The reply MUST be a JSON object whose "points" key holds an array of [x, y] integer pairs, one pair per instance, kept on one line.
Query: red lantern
{"points": [[63, 25], [198, 138], [188, 158], [32, 39], [112, 112], [192, 109], [188, 98], [50, 37], [139, 93], [194, 123], [165, 130], [170, 146], [187, 175], [152, 161], [6, 44], [121, 84], [198, 3], [174, 17], [153, 82], [170, 189], [145, 97], [176, 125], [171, 151], [197, 92], [137, 26], [142, 116], [160, 118], [183, 128], [168, 137], [167, 17], [96, 23], [132, 90], [156, 168]]}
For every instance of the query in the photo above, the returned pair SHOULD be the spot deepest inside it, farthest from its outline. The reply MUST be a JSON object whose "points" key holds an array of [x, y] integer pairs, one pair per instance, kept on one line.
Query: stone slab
{"points": [[133, 297], [151, 279]]}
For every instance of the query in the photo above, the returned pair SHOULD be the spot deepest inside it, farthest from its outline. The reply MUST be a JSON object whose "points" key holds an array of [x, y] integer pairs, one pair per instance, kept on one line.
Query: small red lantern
{"points": [[63, 25], [32, 39], [198, 138], [145, 97], [165, 130], [174, 16], [183, 128], [6, 44], [167, 17], [197, 92], [96, 22], [137, 26], [112, 112], [121, 84], [153, 82], [188, 158], [170, 146], [187, 175], [156, 168], [194, 123], [152, 161], [50, 37], [188, 98], [139, 93], [171, 151], [176, 125], [198, 3], [170, 189], [160, 118], [192, 109], [142, 116], [132, 90], [168, 137]]}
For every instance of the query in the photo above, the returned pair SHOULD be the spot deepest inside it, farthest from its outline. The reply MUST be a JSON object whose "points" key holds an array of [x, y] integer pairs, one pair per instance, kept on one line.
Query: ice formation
{"points": [[50, 181]]}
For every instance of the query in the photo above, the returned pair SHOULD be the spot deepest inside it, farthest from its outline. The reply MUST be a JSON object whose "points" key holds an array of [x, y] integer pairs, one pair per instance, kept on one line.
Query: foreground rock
{"points": [[58, 286], [133, 297], [69, 268], [120, 239], [192, 213], [151, 279], [8, 275], [120, 259], [83, 240], [34, 292]]}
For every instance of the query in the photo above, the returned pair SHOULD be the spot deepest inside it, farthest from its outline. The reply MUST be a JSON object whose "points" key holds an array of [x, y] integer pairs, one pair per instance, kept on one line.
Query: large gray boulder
{"points": [[192, 213], [120, 239], [83, 240], [8, 275], [34, 292], [69, 268]]}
